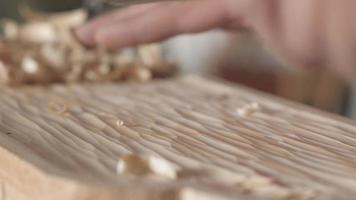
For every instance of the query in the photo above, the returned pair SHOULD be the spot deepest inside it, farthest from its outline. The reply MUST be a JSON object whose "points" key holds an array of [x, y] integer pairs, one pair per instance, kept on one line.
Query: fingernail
{"points": [[83, 43], [84, 35]]}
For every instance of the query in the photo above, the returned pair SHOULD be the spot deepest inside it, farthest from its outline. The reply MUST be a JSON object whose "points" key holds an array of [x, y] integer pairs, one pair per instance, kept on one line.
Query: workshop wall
{"points": [[9, 8]]}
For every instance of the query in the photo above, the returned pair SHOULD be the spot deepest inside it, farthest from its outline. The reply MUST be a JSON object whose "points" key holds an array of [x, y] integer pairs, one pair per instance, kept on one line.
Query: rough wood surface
{"points": [[203, 140]]}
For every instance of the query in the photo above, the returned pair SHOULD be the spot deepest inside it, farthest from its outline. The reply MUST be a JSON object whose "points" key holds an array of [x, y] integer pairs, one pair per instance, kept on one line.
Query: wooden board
{"points": [[187, 138]]}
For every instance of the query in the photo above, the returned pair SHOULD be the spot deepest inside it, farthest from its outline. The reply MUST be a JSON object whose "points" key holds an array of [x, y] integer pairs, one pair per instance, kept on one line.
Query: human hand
{"points": [[153, 22], [304, 33]]}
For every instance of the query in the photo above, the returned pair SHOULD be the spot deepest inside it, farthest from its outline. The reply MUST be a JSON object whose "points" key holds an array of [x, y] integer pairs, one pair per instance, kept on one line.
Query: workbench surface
{"points": [[187, 138]]}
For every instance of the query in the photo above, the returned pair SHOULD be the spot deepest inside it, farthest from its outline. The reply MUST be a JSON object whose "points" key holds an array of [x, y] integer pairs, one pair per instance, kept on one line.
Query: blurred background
{"points": [[8, 8], [240, 58]]}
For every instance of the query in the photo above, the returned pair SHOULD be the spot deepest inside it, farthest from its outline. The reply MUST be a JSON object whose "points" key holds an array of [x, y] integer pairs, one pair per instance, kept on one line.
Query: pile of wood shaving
{"points": [[44, 50]]}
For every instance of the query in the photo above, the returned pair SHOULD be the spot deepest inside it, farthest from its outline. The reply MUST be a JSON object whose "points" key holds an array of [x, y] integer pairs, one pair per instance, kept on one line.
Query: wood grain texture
{"points": [[221, 142]]}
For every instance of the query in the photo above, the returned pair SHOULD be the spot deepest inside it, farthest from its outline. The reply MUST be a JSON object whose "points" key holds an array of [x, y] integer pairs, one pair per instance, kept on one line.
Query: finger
{"points": [[340, 37], [86, 32], [168, 20]]}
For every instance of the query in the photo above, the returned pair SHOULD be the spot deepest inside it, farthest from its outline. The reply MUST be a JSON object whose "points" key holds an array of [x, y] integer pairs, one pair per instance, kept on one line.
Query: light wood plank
{"points": [[203, 140]]}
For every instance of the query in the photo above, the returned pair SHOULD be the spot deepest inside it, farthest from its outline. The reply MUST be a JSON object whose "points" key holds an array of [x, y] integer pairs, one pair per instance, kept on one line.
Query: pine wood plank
{"points": [[203, 140]]}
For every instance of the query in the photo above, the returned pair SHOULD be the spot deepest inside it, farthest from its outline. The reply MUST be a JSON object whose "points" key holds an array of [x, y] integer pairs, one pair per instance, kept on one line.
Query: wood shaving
{"points": [[138, 165], [248, 109], [120, 123], [57, 108], [44, 50]]}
